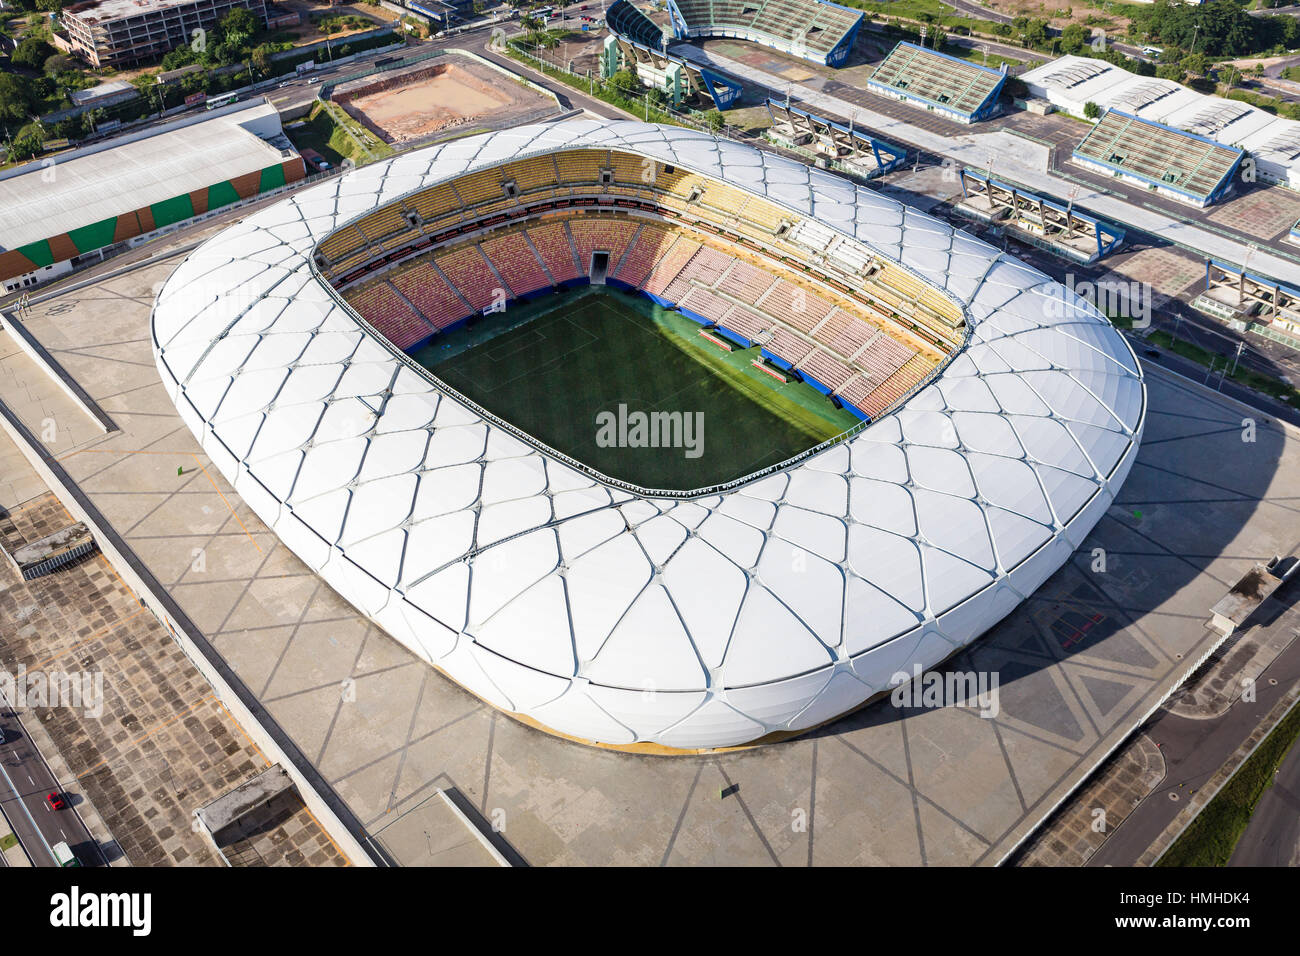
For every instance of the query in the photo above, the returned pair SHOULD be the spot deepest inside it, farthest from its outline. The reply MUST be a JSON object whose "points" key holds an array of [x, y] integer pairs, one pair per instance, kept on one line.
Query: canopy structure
{"points": [[637, 622]]}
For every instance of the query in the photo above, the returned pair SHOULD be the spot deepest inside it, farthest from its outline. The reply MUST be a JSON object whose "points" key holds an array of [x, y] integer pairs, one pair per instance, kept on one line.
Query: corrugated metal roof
{"points": [[88, 187]]}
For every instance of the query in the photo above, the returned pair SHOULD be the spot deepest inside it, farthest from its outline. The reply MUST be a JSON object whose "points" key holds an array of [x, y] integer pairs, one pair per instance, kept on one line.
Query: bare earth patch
{"points": [[413, 106]]}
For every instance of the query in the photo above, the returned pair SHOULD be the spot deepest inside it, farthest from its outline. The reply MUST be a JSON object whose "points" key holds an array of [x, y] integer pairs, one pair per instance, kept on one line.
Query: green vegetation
{"points": [[344, 136], [1269, 104], [1213, 835], [554, 368], [8, 841], [1243, 376], [317, 132], [234, 54]]}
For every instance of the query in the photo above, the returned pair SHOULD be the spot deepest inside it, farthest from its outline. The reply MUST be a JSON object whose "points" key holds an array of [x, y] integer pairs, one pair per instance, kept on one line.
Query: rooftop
{"points": [[936, 78], [99, 11], [1162, 154], [134, 171]]}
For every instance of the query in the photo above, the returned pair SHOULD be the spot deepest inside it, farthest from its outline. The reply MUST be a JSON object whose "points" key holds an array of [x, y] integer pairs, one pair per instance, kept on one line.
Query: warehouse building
{"points": [[107, 197], [1271, 143]]}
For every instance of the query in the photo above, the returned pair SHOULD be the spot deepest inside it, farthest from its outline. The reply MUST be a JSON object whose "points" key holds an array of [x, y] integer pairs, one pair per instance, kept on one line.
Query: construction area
{"points": [[458, 94]]}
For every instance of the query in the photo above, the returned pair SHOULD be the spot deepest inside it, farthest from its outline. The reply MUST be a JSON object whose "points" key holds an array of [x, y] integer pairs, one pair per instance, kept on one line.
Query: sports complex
{"points": [[403, 372]]}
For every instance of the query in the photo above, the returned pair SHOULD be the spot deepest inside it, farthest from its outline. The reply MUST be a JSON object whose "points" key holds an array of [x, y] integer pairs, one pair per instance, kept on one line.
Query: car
{"points": [[2, 735], [1151, 51], [313, 80], [56, 801], [1150, 352]]}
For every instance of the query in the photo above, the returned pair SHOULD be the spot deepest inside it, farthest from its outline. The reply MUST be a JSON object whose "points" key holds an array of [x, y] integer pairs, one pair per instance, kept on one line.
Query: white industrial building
{"points": [[1071, 82]]}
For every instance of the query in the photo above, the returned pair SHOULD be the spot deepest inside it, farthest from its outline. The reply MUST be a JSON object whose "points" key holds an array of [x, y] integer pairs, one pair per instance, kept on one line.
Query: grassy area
{"points": [[315, 133], [551, 370], [8, 841], [344, 136], [1213, 835], [1243, 376]]}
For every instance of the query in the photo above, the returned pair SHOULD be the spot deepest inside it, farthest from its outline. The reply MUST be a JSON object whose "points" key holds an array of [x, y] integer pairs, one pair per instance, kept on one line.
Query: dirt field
{"points": [[412, 106]]}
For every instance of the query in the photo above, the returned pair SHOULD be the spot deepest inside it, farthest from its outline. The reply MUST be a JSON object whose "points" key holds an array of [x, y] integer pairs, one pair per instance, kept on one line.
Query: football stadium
{"points": [[650, 439]]}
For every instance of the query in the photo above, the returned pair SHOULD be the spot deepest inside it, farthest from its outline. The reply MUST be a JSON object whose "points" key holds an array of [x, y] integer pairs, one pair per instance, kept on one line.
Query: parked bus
{"points": [[64, 856]]}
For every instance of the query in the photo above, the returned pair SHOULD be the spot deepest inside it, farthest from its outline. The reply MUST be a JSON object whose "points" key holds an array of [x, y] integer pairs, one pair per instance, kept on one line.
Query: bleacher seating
{"points": [[705, 304], [480, 187], [514, 259], [790, 23], [665, 270], [342, 245], [469, 272], [859, 341], [605, 235], [427, 291], [746, 282], [381, 305], [704, 268], [650, 245], [783, 300], [436, 205], [582, 167], [785, 344], [384, 222], [826, 368], [552, 244], [845, 333], [530, 174], [746, 322]]}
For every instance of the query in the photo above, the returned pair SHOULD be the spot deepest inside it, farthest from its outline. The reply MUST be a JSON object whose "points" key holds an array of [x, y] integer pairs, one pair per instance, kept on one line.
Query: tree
{"points": [[625, 82], [238, 26], [1074, 37], [1171, 71], [58, 63], [15, 98], [32, 53], [1198, 64], [261, 57], [1091, 110], [715, 120]]}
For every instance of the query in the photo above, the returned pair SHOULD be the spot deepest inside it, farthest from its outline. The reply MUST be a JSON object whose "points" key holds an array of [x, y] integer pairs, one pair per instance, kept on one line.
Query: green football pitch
{"points": [[560, 368]]}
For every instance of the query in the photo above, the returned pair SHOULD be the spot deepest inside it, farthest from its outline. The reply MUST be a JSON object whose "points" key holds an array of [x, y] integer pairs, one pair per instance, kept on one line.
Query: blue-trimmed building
{"points": [[1172, 162], [960, 90], [1058, 227], [815, 30], [869, 155]]}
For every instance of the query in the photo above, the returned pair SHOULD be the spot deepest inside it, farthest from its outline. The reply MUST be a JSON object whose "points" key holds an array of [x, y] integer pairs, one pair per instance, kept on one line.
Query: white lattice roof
{"points": [[622, 618]]}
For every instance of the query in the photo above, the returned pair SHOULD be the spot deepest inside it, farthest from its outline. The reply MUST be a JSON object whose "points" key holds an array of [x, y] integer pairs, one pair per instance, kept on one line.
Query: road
{"points": [[1272, 838], [24, 784], [1194, 750]]}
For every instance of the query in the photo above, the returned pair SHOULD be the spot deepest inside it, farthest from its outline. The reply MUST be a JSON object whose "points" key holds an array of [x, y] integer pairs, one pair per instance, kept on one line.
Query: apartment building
{"points": [[124, 32]]}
